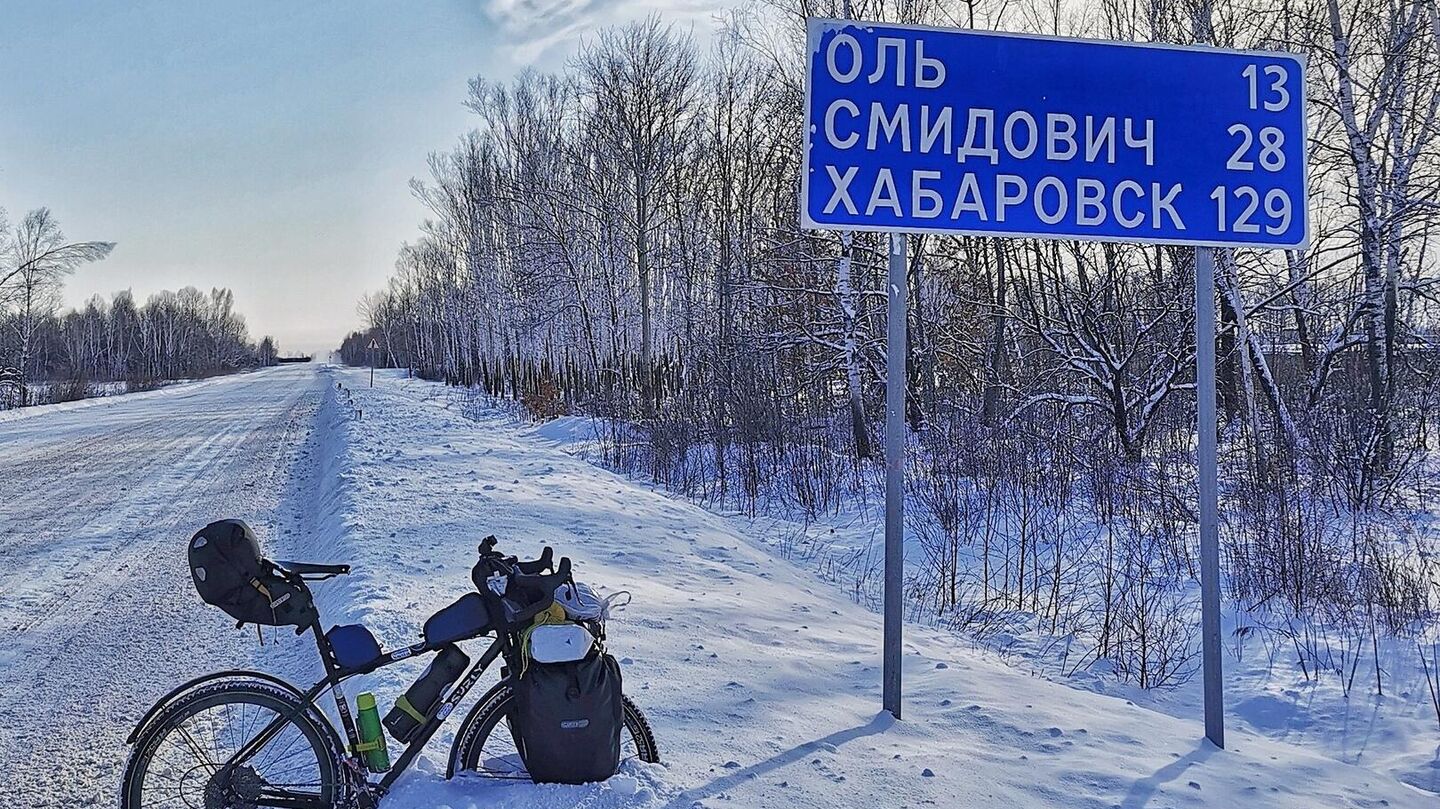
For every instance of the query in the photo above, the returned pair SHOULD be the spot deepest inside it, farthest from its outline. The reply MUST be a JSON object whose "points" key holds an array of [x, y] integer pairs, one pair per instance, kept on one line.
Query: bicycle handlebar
{"points": [[528, 589], [545, 562], [498, 559]]}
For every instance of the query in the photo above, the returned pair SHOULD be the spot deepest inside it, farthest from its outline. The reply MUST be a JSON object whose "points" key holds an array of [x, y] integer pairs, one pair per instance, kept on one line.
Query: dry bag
{"points": [[230, 573]]}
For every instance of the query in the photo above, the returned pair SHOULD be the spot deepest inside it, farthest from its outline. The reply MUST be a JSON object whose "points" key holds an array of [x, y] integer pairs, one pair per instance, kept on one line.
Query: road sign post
{"points": [[1206, 428], [897, 316], [911, 129], [374, 345]]}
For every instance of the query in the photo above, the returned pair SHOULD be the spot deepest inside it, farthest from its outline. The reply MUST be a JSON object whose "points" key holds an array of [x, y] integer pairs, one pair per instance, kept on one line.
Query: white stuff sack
{"points": [[560, 643], [581, 602]]}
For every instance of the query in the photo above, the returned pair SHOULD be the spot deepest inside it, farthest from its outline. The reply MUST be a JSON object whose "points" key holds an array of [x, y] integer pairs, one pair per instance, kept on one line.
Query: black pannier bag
{"points": [[568, 718], [230, 573]]}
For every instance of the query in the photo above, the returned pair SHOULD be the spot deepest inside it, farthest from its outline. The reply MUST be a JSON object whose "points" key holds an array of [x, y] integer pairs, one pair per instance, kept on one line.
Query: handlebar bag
{"points": [[230, 573], [568, 718], [514, 598]]}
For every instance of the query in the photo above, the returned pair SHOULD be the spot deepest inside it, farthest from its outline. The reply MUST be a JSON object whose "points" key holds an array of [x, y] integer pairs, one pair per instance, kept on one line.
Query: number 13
{"points": [[1280, 74]]}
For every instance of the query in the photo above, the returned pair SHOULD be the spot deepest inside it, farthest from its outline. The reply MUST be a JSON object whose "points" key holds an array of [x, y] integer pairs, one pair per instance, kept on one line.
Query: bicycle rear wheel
{"points": [[177, 762], [486, 745]]}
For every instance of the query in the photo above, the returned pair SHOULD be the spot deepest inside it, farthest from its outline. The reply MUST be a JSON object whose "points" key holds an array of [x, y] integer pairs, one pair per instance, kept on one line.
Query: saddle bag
{"points": [[230, 572], [568, 718]]}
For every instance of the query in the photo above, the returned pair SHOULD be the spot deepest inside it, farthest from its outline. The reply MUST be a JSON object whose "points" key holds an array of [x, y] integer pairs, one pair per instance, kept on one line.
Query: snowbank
{"points": [[762, 682], [1269, 693]]}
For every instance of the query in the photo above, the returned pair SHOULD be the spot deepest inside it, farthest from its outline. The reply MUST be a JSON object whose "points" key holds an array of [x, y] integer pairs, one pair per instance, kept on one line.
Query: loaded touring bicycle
{"points": [[243, 739]]}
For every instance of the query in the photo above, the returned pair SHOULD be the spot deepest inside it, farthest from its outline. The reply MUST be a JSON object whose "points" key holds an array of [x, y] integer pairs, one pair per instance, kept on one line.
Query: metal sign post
{"points": [[373, 346], [912, 129], [1206, 427], [896, 317]]}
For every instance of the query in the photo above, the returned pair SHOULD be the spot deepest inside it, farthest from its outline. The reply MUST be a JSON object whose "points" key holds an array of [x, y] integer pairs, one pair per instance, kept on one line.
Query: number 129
{"points": [[1277, 208]]}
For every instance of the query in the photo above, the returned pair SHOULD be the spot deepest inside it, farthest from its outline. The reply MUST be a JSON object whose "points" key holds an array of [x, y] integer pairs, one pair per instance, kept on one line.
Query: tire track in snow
{"points": [[27, 472], [113, 621], [110, 474]]}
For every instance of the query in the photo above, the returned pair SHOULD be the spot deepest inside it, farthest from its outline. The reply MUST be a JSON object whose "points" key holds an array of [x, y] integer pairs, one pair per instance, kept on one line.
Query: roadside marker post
{"points": [[374, 345], [913, 129]]}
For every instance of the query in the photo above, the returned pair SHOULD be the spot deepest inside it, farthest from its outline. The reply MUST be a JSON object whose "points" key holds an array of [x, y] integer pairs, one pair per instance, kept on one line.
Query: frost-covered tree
{"points": [[33, 264], [621, 239]]}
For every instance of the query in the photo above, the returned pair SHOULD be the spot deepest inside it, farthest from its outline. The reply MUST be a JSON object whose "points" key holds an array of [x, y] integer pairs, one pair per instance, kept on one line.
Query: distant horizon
{"points": [[268, 148]]}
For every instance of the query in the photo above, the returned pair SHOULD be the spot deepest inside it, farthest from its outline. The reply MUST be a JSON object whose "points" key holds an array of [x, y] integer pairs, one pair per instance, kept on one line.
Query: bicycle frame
{"points": [[502, 645], [505, 616]]}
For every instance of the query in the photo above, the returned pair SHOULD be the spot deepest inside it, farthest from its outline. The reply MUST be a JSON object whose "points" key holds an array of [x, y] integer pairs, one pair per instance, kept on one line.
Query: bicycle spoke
{"points": [[195, 747], [286, 771], [294, 735]]}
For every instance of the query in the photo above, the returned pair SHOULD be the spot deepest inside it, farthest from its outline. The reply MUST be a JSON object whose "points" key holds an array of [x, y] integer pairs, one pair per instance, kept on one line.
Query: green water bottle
{"points": [[372, 738]]}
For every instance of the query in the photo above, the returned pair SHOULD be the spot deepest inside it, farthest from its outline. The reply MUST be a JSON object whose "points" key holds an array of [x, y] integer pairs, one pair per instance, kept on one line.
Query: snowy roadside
{"points": [[1268, 692], [762, 682], [112, 395]]}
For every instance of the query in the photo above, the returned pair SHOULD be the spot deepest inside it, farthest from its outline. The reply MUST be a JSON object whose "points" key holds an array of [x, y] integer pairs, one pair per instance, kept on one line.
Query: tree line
{"points": [[621, 239], [47, 355]]}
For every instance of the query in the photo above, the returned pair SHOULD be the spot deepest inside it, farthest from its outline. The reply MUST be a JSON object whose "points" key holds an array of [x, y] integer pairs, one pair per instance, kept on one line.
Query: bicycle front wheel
{"points": [[486, 746], [178, 763]]}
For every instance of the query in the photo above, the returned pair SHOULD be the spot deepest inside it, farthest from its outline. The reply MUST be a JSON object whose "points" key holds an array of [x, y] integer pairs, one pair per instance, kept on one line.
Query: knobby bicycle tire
{"points": [[170, 725]]}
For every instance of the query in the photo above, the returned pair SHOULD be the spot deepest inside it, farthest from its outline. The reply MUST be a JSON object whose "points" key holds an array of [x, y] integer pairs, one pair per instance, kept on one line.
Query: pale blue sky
{"points": [[264, 146]]}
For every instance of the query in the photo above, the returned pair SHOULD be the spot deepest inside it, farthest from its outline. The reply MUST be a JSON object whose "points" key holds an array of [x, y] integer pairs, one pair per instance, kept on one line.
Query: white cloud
{"points": [[544, 32]]}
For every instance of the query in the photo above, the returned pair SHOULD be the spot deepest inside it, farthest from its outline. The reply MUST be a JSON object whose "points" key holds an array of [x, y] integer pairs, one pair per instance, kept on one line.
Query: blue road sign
{"points": [[928, 130]]}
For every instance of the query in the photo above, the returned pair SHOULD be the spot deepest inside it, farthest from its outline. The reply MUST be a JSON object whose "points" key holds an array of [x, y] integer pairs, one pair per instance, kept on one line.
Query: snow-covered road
{"points": [[97, 613], [762, 681]]}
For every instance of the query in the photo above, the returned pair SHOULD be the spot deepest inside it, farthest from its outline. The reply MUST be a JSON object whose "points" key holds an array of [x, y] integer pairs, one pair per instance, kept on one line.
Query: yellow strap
{"points": [[404, 704], [553, 614], [365, 747]]}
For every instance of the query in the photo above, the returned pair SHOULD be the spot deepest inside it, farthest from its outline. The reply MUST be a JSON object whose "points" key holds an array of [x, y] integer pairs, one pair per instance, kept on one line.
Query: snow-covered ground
{"points": [[1268, 691], [108, 393], [762, 681], [97, 614]]}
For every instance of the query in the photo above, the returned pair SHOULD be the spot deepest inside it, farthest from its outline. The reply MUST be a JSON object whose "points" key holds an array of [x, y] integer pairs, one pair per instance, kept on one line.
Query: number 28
{"points": [[1277, 85]]}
